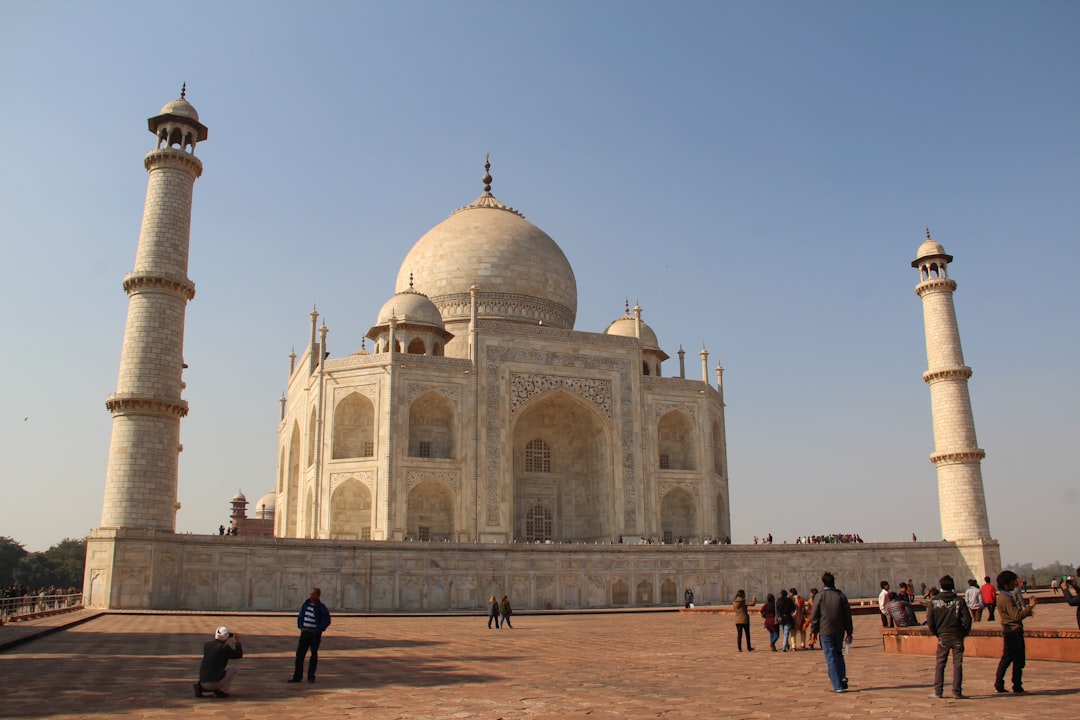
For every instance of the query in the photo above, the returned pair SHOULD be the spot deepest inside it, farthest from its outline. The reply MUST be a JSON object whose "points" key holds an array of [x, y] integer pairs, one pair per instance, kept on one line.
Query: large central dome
{"points": [[521, 273]]}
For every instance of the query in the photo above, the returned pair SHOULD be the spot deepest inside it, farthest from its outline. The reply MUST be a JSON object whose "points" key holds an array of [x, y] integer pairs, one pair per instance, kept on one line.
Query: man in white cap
{"points": [[215, 675]]}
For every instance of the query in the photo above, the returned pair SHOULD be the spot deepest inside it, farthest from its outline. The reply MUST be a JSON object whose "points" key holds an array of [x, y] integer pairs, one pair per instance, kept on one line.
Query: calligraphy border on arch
{"points": [[417, 389], [367, 477], [525, 386], [415, 477], [661, 409], [369, 391], [497, 355]]}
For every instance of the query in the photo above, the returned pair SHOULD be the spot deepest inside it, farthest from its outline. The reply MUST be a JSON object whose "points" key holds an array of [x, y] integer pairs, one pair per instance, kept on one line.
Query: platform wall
{"points": [[148, 570]]}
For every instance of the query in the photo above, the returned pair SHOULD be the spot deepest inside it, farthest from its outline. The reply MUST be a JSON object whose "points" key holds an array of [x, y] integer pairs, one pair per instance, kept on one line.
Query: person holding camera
{"points": [[1072, 595], [215, 675]]}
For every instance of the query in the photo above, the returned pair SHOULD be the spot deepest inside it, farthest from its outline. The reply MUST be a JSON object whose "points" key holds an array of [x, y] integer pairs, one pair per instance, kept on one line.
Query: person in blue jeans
{"points": [[313, 619], [832, 622]]}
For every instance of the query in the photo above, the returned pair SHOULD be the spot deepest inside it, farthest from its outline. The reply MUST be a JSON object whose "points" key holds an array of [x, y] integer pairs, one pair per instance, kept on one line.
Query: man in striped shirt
{"points": [[313, 619]]}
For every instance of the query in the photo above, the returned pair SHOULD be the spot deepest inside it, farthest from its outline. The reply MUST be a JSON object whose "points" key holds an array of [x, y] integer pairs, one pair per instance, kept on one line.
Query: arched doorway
{"points": [[563, 471]]}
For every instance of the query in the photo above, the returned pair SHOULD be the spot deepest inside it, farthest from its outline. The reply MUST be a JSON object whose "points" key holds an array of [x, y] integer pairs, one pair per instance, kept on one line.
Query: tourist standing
{"points": [[768, 613], [742, 617], [785, 617], [973, 598], [809, 612], [948, 618], [312, 621], [798, 629], [506, 611], [882, 598], [989, 598], [1011, 614], [1072, 596], [493, 611], [215, 675], [832, 623]]}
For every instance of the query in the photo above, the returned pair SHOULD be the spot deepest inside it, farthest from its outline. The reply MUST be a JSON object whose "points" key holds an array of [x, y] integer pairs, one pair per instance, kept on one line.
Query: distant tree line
{"points": [[1043, 575], [61, 566]]}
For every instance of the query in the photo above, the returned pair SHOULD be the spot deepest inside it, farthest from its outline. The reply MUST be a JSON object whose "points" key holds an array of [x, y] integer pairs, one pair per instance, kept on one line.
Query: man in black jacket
{"points": [[215, 675], [831, 621], [948, 618]]}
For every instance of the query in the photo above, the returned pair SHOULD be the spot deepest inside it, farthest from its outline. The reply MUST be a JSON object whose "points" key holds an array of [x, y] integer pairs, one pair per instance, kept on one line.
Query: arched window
{"points": [[676, 438], [431, 427], [416, 347], [537, 456], [538, 524], [354, 427]]}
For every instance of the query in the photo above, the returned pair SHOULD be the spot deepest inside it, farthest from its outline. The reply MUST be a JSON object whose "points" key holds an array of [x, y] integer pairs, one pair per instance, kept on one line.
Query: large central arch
{"points": [[563, 471]]}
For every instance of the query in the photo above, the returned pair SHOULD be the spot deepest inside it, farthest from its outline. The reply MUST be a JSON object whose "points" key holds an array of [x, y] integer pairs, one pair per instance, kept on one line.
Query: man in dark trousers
{"points": [[831, 621], [313, 619], [215, 675], [1072, 595], [948, 618]]}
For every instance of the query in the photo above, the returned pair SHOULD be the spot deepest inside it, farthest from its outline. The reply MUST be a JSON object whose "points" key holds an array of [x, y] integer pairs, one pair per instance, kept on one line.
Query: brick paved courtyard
{"points": [[628, 665]]}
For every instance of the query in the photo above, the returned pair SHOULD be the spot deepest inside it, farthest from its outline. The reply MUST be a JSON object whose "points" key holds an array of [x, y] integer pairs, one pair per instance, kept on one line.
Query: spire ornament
{"points": [[183, 91], [487, 173]]}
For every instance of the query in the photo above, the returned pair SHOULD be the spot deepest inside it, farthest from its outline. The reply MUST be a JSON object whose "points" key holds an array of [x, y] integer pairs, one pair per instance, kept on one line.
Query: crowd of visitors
{"points": [[831, 538]]}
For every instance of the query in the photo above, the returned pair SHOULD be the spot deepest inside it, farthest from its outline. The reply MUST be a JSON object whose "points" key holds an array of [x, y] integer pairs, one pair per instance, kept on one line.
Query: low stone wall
{"points": [[129, 569], [1039, 644]]}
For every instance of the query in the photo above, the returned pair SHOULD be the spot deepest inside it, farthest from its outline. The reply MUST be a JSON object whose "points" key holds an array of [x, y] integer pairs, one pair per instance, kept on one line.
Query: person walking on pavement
{"points": [[949, 618], [312, 621], [493, 611], [831, 622], [506, 611]]}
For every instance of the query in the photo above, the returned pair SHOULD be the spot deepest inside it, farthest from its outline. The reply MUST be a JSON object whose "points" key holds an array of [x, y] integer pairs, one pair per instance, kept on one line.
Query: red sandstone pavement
{"points": [[627, 665]]}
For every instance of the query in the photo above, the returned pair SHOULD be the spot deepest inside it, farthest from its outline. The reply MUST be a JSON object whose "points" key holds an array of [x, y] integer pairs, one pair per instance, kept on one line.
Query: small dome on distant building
{"points": [[182, 108], [930, 249], [411, 306], [239, 497], [626, 326], [264, 508]]}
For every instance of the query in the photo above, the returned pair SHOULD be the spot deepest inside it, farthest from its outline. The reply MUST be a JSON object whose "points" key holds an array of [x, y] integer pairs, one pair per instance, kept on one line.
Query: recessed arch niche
{"points": [[578, 484]]}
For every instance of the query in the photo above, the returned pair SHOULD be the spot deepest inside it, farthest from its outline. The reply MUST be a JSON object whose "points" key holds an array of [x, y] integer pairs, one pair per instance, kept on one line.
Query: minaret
{"points": [[956, 452], [141, 482]]}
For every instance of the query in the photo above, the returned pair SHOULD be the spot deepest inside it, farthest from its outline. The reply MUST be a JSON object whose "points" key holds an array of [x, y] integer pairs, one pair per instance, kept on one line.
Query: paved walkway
{"points": [[634, 665]]}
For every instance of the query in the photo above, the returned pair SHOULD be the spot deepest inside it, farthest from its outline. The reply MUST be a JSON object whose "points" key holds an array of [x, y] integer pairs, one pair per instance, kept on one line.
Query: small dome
{"points": [[413, 307], [626, 326], [929, 248], [266, 503], [239, 497], [182, 108]]}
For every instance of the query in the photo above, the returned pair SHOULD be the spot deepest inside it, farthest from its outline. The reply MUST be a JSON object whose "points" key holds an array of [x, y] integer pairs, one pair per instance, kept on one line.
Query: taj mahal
{"points": [[474, 441]]}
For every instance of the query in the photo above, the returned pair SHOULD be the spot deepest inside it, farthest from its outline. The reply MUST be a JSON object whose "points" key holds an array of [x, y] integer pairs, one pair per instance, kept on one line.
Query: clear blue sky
{"points": [[757, 174]]}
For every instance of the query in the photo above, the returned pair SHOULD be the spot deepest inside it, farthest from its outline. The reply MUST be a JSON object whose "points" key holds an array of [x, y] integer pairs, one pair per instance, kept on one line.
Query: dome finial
{"points": [[928, 234], [183, 91], [410, 281], [627, 305], [487, 173]]}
